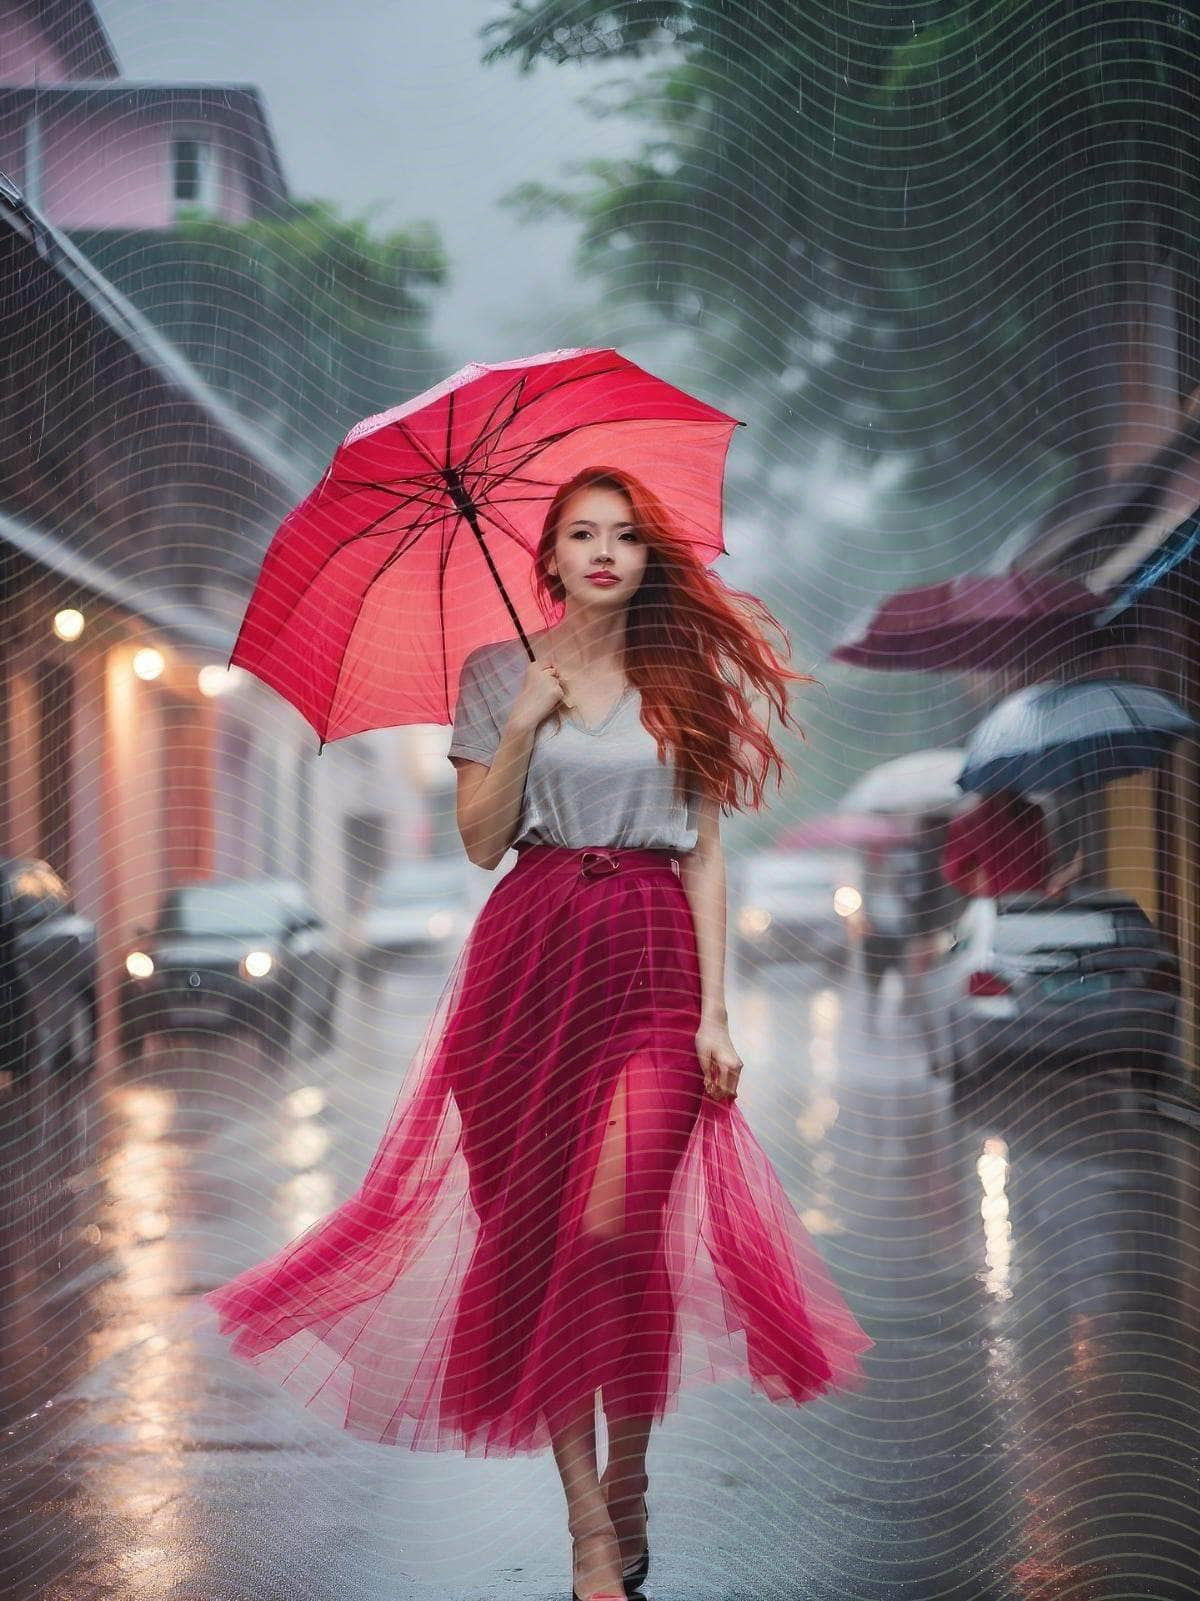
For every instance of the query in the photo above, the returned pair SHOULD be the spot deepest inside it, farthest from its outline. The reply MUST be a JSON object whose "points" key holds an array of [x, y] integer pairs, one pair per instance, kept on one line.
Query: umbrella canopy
{"points": [[923, 781], [974, 620], [848, 830], [417, 545], [1060, 736]]}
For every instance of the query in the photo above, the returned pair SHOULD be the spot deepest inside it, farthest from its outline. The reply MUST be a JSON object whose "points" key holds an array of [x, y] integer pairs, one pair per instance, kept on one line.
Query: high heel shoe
{"points": [[634, 1577]]}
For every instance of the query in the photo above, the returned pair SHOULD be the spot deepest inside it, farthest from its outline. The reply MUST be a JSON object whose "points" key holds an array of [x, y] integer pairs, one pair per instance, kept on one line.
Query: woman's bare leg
{"points": [[625, 1481], [597, 1552]]}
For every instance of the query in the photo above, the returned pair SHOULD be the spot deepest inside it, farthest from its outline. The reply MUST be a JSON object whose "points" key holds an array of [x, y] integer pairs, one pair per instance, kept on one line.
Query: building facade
{"points": [[135, 507]]}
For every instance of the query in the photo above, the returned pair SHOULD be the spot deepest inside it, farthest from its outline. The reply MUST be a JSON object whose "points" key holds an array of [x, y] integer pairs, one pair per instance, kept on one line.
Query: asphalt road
{"points": [[1029, 1267]]}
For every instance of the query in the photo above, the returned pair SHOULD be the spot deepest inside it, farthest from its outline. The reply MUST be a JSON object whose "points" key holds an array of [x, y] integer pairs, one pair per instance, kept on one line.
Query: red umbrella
{"points": [[418, 542], [850, 830], [975, 620]]}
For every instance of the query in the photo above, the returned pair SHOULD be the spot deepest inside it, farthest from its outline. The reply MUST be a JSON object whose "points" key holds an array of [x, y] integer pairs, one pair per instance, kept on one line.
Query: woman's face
{"points": [[596, 535]]}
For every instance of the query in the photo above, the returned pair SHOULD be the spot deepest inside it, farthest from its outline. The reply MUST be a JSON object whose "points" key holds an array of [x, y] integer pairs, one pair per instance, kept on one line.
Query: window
{"points": [[193, 173], [236, 908]]}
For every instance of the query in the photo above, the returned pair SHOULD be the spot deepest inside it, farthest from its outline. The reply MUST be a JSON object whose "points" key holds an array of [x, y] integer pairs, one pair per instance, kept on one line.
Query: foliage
{"points": [[918, 224], [307, 320]]}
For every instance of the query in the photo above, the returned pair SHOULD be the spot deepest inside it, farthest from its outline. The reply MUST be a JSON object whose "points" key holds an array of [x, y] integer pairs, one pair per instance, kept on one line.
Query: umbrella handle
{"points": [[467, 509]]}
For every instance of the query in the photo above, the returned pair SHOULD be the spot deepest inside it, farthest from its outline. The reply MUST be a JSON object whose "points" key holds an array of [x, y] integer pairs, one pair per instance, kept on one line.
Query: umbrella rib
{"points": [[545, 394], [500, 523], [567, 380], [362, 600], [389, 486], [418, 445], [519, 386], [491, 427], [427, 495], [372, 529], [448, 462], [385, 567], [1127, 707], [532, 448], [412, 535], [447, 544], [496, 478]]}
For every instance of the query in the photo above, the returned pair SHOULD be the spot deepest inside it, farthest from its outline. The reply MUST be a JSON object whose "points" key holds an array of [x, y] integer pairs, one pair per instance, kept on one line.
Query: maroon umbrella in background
{"points": [[847, 831], [974, 620]]}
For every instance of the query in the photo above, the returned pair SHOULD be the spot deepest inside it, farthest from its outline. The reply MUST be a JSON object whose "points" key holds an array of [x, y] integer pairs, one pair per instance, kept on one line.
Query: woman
{"points": [[567, 1202]]}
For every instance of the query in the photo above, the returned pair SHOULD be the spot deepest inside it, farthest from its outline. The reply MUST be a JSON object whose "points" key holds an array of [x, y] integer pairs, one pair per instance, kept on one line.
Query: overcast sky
{"points": [[385, 101]]}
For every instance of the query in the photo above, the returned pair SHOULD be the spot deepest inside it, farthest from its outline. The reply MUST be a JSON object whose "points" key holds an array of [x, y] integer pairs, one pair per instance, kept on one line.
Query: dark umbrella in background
{"points": [[1058, 736]]}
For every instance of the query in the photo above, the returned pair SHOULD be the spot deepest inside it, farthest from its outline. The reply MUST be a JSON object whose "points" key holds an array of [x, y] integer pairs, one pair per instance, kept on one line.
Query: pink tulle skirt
{"points": [[555, 1210]]}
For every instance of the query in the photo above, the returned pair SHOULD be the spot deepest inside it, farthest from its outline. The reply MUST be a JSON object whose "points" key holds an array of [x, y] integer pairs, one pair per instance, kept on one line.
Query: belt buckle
{"points": [[595, 864]]}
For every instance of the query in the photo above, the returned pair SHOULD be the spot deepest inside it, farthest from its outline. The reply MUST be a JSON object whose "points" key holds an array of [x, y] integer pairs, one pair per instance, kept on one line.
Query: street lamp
{"points": [[213, 680], [148, 663], [68, 623]]}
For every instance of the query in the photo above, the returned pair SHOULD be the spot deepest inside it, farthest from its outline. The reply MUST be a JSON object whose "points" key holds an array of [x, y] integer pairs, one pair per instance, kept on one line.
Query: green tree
{"points": [[917, 225], [307, 320]]}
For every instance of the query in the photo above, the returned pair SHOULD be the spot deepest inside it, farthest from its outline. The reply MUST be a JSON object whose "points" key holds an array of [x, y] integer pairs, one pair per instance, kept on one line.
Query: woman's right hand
{"points": [[541, 692]]}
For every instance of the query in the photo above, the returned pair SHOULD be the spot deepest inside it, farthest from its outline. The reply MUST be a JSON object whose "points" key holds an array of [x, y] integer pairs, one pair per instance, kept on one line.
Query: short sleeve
{"points": [[476, 733]]}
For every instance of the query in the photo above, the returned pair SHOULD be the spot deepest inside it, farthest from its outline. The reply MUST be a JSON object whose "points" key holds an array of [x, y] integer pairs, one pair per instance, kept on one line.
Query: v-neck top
{"points": [[586, 784]]}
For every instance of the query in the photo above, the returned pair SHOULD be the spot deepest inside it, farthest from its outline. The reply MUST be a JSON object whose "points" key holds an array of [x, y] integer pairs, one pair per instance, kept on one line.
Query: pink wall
{"points": [[105, 165], [25, 56], [108, 169]]}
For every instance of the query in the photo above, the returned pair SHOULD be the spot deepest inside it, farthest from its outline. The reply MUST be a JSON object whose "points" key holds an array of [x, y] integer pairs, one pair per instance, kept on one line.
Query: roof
{"points": [[76, 31], [1118, 526], [64, 258], [237, 107], [188, 625]]}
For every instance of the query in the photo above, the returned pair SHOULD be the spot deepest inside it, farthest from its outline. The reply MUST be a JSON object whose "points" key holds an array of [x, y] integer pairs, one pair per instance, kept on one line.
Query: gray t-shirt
{"points": [[603, 785]]}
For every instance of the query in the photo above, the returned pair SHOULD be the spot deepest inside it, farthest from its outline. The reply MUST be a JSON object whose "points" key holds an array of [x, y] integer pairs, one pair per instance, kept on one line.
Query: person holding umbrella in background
{"points": [[1000, 846], [567, 1202]]}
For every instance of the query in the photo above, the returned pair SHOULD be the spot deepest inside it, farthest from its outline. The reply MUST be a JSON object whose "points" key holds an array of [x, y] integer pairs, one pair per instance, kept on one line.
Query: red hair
{"points": [[695, 648]]}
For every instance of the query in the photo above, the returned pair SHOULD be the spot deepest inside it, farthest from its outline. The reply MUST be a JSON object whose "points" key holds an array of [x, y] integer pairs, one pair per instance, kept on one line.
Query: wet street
{"points": [[1028, 1264]]}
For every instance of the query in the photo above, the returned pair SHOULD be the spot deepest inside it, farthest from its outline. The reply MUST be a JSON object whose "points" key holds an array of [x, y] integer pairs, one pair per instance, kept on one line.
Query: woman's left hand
{"points": [[719, 1062]]}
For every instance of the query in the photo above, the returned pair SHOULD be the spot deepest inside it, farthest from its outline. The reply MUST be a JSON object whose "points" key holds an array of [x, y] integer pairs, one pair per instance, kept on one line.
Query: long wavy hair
{"points": [[696, 649]]}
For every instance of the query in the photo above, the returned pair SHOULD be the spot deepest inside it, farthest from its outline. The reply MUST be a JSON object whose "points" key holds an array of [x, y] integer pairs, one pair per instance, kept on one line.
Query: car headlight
{"points": [[257, 964], [139, 965], [846, 900], [754, 920]]}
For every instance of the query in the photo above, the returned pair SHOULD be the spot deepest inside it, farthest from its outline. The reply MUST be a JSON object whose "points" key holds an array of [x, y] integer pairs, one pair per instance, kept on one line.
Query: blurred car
{"points": [[48, 973], [415, 907], [230, 953], [318, 957], [794, 906], [1082, 979]]}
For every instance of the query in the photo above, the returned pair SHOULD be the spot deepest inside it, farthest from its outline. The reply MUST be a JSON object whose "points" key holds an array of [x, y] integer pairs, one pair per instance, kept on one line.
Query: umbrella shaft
{"points": [[467, 510]]}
